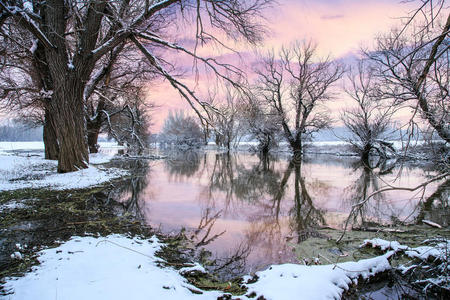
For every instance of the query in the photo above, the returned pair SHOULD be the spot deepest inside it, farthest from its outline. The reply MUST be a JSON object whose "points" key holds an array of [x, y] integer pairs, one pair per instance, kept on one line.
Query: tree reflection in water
{"points": [[246, 212], [305, 218], [184, 164], [265, 189], [436, 207], [130, 191]]}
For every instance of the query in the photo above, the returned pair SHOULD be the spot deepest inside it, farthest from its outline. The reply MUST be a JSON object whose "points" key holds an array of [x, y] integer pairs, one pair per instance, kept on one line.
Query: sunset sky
{"points": [[340, 28]]}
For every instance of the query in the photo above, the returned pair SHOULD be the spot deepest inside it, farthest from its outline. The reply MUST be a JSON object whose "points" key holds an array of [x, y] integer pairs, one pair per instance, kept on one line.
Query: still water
{"points": [[249, 211]]}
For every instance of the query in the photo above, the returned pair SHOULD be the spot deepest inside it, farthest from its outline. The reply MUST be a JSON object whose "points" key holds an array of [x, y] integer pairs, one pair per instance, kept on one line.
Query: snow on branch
{"points": [[23, 18]]}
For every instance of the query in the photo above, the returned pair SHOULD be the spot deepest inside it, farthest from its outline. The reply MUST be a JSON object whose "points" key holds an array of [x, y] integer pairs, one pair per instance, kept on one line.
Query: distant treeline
{"points": [[17, 132]]}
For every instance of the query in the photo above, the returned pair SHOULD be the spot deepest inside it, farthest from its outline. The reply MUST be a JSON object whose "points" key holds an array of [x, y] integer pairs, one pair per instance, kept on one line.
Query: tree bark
{"points": [[50, 139], [296, 145], [69, 76], [67, 109]]}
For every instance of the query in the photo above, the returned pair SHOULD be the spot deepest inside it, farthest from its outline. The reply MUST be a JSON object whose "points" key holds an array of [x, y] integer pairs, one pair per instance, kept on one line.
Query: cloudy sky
{"points": [[340, 28]]}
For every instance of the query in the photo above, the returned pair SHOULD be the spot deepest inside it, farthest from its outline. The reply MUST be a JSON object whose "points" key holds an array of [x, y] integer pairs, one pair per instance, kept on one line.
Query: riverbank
{"points": [[45, 228]]}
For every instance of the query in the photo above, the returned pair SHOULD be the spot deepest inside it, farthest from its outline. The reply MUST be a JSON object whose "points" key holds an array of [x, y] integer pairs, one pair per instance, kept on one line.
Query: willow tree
{"points": [[76, 35]]}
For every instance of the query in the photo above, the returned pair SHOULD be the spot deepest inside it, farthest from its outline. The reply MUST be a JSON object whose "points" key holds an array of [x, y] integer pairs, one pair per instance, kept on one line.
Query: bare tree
{"points": [[262, 124], [128, 120], [25, 82], [227, 116], [115, 90], [295, 85], [182, 130], [413, 66], [75, 36], [370, 121]]}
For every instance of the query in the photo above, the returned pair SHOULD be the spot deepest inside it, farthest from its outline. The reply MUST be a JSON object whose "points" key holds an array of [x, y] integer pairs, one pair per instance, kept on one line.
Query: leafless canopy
{"points": [[370, 120], [413, 65], [71, 38], [295, 84]]}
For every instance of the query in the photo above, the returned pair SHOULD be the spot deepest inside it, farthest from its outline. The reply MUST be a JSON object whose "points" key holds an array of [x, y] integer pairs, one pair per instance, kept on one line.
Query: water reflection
{"points": [[305, 217], [436, 206], [247, 211], [132, 192]]}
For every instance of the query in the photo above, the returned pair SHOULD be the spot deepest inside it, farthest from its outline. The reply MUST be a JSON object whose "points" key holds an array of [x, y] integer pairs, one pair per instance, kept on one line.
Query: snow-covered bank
{"points": [[115, 267], [20, 171], [118, 267], [291, 281], [14, 146]]}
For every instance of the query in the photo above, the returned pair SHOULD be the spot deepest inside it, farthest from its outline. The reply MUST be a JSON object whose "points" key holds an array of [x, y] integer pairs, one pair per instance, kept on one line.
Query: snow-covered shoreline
{"points": [[15, 146], [119, 267], [26, 170]]}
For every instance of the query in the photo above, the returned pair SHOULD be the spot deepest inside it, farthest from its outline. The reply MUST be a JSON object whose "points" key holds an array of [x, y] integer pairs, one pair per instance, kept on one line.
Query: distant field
{"points": [[8, 146]]}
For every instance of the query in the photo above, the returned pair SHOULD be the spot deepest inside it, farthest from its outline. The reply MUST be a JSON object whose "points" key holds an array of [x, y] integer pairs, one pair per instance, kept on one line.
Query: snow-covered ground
{"points": [[20, 170], [118, 267], [115, 267], [13, 146]]}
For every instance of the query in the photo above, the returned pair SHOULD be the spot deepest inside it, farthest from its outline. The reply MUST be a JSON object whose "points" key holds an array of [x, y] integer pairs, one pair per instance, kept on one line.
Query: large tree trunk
{"points": [[68, 112], [69, 76], [50, 139]]}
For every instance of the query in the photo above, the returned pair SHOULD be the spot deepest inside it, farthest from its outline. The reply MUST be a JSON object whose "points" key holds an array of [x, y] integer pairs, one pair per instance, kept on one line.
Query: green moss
{"points": [[207, 282]]}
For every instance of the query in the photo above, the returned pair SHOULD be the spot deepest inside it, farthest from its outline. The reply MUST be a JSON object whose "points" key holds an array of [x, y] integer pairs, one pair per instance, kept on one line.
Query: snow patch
{"points": [[100, 158], [18, 172], [119, 267], [114, 267], [439, 251], [315, 282], [11, 205], [384, 245]]}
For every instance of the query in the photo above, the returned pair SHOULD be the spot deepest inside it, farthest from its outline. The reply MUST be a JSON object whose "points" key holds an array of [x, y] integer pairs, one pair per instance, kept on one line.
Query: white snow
{"points": [[118, 267], [115, 267], [439, 251], [289, 281], [12, 146], [384, 245], [18, 172], [195, 268], [34, 46], [11, 205], [70, 65], [28, 6], [100, 158]]}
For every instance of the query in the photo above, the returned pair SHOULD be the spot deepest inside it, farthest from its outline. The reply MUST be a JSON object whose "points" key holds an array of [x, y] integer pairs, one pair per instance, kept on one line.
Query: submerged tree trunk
{"points": [[365, 153], [297, 148], [50, 139]]}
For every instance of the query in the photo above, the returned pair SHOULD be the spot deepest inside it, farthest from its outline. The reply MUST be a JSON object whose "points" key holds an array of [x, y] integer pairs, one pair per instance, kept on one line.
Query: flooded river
{"points": [[251, 212]]}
